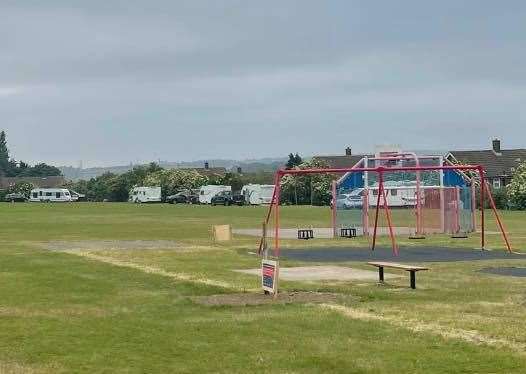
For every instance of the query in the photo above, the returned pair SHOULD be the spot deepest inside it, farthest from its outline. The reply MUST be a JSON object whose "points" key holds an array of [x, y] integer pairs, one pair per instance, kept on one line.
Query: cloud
{"points": [[128, 81]]}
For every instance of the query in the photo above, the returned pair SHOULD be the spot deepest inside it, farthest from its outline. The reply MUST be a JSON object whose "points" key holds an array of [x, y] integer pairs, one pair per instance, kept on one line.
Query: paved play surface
{"points": [[317, 273], [406, 254]]}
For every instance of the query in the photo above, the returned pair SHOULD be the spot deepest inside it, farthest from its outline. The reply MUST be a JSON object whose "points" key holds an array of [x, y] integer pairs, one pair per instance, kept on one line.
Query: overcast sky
{"points": [[113, 82]]}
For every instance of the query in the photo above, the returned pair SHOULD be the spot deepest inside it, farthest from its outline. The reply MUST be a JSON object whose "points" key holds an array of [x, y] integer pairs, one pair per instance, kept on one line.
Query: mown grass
{"points": [[60, 312]]}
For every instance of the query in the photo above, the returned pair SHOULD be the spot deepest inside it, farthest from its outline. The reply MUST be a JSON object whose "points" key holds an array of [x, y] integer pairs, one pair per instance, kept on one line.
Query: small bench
{"points": [[412, 269], [348, 232], [305, 234]]}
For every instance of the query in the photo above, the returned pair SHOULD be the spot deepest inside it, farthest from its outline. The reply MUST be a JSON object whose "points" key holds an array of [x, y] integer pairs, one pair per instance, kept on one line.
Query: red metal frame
{"points": [[380, 170]]}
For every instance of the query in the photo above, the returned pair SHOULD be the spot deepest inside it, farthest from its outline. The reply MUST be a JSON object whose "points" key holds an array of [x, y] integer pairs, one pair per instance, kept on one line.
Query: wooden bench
{"points": [[412, 269], [348, 232], [305, 234]]}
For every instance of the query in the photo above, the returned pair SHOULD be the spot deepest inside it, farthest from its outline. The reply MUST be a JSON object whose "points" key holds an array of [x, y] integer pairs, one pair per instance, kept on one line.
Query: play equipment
{"points": [[428, 197]]}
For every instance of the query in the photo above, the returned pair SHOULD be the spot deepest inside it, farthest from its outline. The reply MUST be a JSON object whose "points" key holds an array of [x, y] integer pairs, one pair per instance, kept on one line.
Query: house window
{"points": [[394, 192], [496, 184]]}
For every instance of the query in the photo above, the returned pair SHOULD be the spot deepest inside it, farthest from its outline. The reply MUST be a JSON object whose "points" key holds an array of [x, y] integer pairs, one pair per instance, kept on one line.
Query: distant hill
{"points": [[247, 166]]}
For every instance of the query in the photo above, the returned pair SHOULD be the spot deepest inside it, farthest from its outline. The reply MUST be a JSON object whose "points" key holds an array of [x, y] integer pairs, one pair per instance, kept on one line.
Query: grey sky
{"points": [[109, 82]]}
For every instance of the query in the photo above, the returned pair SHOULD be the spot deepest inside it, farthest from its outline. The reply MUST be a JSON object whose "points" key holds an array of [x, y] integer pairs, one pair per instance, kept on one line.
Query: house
{"points": [[37, 182], [342, 161], [500, 164], [208, 171]]}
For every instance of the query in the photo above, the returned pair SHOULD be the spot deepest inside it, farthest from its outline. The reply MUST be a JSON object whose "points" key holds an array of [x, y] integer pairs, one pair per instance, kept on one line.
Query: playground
{"points": [[105, 287]]}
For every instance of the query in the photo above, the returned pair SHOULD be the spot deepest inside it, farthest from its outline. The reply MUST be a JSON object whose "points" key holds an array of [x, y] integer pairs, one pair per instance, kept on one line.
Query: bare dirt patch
{"points": [[320, 273], [244, 299]]}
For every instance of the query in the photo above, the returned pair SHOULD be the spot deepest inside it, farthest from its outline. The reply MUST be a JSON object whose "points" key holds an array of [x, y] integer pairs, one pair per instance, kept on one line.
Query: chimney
{"points": [[348, 151], [496, 146], [239, 170], [207, 166]]}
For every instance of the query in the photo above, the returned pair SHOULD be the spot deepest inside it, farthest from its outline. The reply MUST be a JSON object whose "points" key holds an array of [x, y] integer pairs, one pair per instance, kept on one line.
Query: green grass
{"points": [[60, 312]]}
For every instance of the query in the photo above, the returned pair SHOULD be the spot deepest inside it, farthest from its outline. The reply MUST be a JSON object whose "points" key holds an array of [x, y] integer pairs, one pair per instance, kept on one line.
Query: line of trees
{"points": [[11, 168], [116, 187]]}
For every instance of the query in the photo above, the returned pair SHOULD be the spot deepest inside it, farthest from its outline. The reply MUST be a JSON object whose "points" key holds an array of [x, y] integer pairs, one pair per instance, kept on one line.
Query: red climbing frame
{"points": [[381, 196]]}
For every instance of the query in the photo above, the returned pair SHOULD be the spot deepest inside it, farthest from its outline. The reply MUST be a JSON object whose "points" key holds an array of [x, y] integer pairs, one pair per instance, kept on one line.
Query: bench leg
{"points": [[413, 279], [381, 274]]}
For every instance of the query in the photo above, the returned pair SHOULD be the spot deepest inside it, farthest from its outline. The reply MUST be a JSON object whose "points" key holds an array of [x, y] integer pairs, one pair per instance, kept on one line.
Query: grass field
{"points": [[70, 303]]}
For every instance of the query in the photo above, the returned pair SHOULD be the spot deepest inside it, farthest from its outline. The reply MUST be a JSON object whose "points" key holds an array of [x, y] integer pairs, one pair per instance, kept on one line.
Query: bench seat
{"points": [[412, 269]]}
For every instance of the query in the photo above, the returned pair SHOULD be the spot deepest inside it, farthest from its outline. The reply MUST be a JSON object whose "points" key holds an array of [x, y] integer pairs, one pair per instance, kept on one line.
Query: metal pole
{"points": [[334, 206], [269, 213], [457, 210], [473, 205], [482, 218], [499, 222], [389, 222], [380, 179], [276, 201]]}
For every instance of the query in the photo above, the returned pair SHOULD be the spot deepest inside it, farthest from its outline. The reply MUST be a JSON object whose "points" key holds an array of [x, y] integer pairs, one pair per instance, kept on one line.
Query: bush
{"points": [[516, 190]]}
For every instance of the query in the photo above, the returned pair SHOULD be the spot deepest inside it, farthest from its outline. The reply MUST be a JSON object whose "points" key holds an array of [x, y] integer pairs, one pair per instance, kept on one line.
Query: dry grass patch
{"points": [[244, 299], [470, 336]]}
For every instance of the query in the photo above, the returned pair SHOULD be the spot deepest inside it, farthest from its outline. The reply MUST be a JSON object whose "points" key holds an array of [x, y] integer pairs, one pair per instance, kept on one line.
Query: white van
{"points": [[50, 195], [145, 195], [397, 196], [257, 194], [206, 193]]}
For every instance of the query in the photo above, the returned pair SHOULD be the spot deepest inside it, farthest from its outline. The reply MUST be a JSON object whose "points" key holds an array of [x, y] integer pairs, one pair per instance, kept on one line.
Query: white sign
{"points": [[270, 276]]}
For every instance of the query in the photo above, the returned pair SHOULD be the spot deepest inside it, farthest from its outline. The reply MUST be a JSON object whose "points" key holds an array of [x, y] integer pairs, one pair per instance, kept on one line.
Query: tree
{"points": [[23, 188], [307, 189], [517, 188], [293, 161], [40, 170], [4, 154]]}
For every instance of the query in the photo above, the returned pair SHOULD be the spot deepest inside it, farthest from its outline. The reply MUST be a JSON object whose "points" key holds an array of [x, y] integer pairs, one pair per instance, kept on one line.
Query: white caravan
{"points": [[257, 194], [50, 195], [397, 196], [145, 195], [206, 193]]}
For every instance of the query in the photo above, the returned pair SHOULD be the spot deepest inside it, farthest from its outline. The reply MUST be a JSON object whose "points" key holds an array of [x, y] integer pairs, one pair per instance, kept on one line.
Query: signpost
{"points": [[270, 276]]}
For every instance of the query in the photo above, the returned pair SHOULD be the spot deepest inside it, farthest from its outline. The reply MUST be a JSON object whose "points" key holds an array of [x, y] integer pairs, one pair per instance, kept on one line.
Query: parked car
{"points": [[226, 198], [15, 197], [238, 199], [222, 198], [182, 198]]}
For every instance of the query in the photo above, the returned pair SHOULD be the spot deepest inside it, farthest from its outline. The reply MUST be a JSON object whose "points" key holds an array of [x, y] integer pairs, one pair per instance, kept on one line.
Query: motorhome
{"points": [[50, 195], [145, 195], [206, 193], [397, 196], [257, 194]]}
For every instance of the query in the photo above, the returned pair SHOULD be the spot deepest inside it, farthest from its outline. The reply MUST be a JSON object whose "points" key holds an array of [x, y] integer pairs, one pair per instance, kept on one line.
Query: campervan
{"points": [[397, 196], [50, 195], [145, 195], [206, 193], [257, 194]]}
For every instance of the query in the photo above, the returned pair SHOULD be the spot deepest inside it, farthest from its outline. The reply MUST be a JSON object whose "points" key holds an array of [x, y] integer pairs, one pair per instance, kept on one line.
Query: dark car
{"points": [[238, 199], [222, 198], [226, 198], [15, 197], [182, 198]]}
